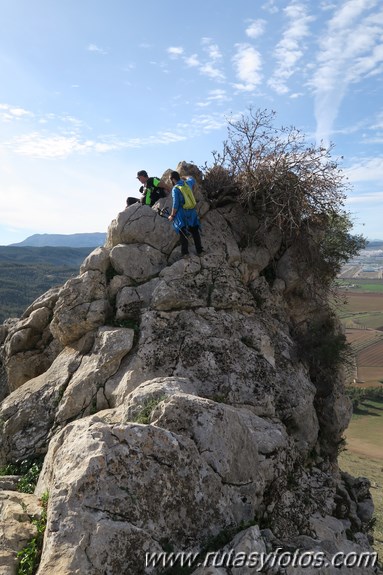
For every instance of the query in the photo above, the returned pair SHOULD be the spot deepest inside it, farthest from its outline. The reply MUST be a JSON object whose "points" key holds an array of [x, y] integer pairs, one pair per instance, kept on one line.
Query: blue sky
{"points": [[93, 91]]}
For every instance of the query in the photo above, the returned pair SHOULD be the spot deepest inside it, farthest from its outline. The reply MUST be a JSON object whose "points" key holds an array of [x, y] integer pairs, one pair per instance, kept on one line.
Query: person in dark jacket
{"points": [[151, 191]]}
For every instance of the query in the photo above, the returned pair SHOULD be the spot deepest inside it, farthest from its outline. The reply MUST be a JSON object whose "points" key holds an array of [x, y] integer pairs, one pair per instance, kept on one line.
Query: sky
{"points": [[92, 91]]}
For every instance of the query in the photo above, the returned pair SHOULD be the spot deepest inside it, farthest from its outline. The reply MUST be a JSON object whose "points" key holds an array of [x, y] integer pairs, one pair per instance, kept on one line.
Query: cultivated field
{"points": [[362, 317], [364, 457]]}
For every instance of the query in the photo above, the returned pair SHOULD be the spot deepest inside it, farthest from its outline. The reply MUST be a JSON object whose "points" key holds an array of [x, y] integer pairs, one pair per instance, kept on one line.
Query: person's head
{"points": [[142, 176], [174, 177]]}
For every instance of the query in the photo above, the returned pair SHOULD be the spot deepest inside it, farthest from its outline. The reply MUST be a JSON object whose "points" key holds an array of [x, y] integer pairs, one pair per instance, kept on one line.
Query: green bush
{"points": [[359, 395], [144, 415], [28, 469], [30, 555], [324, 347]]}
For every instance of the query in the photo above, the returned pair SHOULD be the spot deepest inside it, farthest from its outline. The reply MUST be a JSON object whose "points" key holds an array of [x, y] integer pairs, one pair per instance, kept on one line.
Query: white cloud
{"points": [[365, 198], [290, 49], [367, 170], [208, 69], [247, 63], [214, 96], [96, 49], [192, 61], [349, 51], [175, 51], [255, 29], [218, 95], [211, 49], [270, 6], [208, 123], [9, 113], [38, 145]]}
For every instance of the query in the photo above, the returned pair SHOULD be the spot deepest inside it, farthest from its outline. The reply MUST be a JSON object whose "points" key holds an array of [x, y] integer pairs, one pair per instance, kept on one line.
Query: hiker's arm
{"points": [[175, 205]]}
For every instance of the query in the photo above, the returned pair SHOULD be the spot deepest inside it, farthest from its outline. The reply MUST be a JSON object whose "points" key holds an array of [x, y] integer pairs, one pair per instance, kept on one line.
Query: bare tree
{"points": [[276, 173], [290, 184]]}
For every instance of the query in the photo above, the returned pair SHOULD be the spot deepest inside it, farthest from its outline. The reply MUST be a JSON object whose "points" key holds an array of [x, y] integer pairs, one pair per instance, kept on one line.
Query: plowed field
{"points": [[371, 356]]}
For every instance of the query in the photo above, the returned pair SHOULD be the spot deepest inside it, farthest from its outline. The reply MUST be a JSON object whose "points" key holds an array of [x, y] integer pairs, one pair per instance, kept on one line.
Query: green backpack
{"points": [[190, 201]]}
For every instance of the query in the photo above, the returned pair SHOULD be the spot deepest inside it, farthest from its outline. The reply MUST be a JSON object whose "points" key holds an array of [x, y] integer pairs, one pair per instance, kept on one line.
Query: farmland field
{"points": [[362, 318], [372, 356], [364, 457]]}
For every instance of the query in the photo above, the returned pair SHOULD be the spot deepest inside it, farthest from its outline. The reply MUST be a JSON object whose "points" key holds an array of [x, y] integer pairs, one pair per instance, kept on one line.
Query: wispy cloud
{"points": [[192, 61], [290, 49], [69, 139], [350, 50], [175, 51], [218, 96], [206, 123], [212, 71], [212, 50], [211, 67], [255, 29], [247, 64], [10, 113], [40, 145], [270, 6], [366, 170], [96, 49], [207, 64]]}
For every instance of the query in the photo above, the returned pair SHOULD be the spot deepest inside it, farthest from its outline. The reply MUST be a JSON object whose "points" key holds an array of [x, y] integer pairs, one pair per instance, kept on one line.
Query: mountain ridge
{"points": [[77, 240]]}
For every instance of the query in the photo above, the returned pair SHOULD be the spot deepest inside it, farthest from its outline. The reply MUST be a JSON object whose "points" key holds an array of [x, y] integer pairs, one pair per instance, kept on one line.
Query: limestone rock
{"points": [[97, 260], [81, 307], [138, 262], [142, 225], [16, 513], [29, 348], [97, 477], [173, 404]]}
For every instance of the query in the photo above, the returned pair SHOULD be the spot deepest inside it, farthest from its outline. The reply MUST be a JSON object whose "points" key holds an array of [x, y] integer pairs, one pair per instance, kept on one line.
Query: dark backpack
{"points": [[156, 192]]}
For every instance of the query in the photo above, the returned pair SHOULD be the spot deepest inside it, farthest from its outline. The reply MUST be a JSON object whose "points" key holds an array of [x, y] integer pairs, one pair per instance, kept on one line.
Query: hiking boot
{"points": [[201, 251]]}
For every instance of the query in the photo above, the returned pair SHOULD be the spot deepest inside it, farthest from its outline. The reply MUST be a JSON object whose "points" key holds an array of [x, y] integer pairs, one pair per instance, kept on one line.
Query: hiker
{"points": [[151, 190], [184, 219]]}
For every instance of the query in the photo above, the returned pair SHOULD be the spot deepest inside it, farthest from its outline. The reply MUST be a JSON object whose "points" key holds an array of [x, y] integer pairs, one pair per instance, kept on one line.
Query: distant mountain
{"points": [[374, 244], [91, 240]]}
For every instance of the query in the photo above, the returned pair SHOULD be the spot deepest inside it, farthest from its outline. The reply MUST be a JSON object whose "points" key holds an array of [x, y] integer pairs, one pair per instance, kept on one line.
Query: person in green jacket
{"points": [[151, 190]]}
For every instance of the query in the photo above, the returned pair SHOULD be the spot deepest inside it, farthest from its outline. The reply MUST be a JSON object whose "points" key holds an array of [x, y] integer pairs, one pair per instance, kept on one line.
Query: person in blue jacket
{"points": [[184, 220]]}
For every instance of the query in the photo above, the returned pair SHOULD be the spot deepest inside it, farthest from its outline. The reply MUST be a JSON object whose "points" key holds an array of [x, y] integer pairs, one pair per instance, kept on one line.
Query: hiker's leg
{"points": [[184, 242], [197, 238]]}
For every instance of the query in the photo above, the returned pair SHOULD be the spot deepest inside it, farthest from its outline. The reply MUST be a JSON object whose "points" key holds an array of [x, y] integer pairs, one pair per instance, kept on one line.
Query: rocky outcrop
{"points": [[172, 406]]}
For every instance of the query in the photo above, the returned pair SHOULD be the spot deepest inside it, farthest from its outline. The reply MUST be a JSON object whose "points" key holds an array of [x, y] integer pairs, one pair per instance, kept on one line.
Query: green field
{"points": [[363, 457], [360, 285], [359, 466], [369, 287]]}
